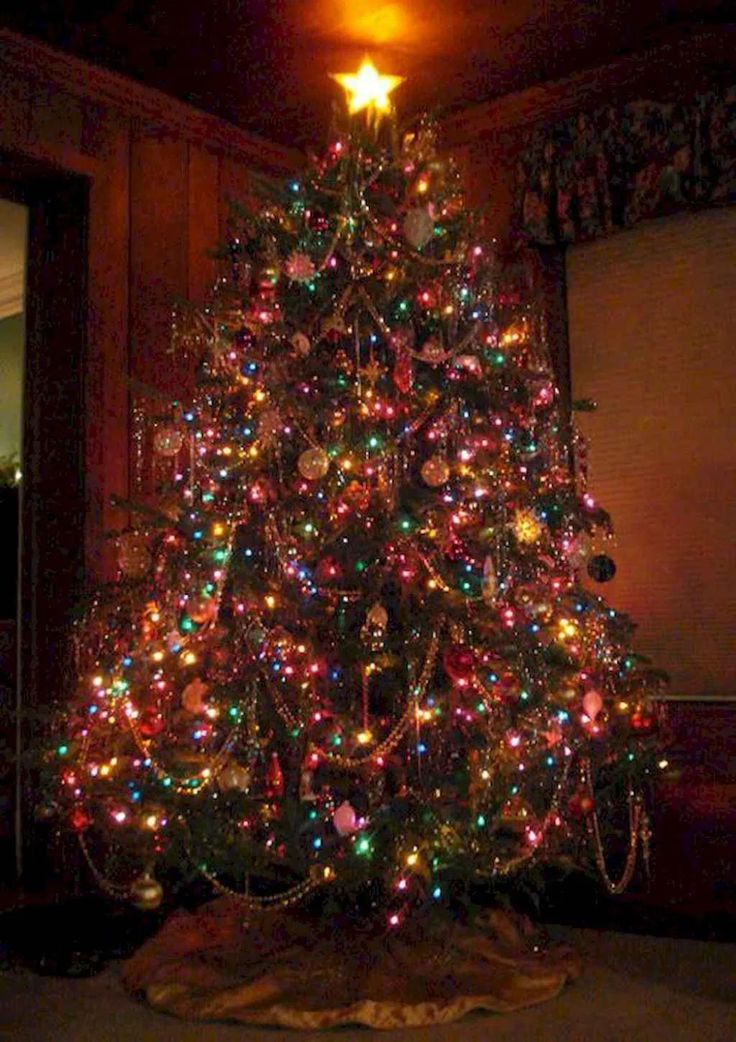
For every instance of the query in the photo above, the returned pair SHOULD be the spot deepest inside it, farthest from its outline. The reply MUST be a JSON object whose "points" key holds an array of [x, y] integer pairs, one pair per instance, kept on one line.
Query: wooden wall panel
{"points": [[15, 109], [107, 136], [159, 253], [57, 119], [203, 221], [234, 186]]}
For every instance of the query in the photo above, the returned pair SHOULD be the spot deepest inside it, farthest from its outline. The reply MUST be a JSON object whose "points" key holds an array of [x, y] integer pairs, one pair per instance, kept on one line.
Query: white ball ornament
{"points": [[418, 227]]}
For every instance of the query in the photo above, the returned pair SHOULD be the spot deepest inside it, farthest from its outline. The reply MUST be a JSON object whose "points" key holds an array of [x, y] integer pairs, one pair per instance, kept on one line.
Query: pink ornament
{"points": [[592, 704], [344, 819]]}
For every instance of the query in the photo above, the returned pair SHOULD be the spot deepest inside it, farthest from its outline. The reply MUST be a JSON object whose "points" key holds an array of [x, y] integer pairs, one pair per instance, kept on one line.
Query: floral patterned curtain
{"points": [[594, 174]]}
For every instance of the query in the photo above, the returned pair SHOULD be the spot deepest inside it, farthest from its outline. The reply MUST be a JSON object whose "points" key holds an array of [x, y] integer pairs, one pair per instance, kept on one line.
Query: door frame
{"points": [[52, 498]]}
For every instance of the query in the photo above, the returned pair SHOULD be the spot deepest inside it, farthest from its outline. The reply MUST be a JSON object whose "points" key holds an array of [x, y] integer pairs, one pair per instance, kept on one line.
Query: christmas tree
{"points": [[351, 649]]}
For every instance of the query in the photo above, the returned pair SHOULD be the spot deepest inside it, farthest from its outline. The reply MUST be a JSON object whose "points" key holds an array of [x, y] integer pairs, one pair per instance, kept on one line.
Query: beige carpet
{"points": [[633, 989]]}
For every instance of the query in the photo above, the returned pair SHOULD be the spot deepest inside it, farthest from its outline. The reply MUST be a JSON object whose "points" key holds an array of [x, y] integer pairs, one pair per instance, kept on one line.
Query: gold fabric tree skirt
{"points": [[289, 970]]}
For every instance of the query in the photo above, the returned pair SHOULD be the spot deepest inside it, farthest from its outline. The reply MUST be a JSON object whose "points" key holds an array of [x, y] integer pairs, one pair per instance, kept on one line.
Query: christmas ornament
{"points": [[418, 227], [269, 424], [146, 893], [578, 550], [301, 344], [459, 661], [79, 819], [435, 471], [328, 570], [433, 352], [373, 631], [192, 697], [167, 441], [403, 375], [134, 559], [601, 568], [299, 267], [313, 464], [527, 526], [234, 776], [580, 803], [489, 586], [274, 778], [470, 364], [150, 723], [345, 819], [592, 704]]}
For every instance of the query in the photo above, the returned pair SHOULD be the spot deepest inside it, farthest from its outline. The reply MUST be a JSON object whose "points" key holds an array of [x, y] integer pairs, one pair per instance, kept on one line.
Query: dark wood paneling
{"points": [[235, 186], [203, 221], [57, 118], [15, 109], [159, 199], [107, 136]]}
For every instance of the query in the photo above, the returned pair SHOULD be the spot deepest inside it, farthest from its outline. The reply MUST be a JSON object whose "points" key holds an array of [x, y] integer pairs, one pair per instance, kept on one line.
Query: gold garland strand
{"points": [[638, 833]]}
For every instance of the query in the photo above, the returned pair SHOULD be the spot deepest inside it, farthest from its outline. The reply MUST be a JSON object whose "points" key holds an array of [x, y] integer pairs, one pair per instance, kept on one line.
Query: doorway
{"points": [[48, 399]]}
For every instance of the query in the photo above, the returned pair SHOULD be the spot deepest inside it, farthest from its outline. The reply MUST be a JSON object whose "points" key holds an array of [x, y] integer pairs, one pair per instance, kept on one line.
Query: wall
{"points": [[160, 176], [11, 382]]}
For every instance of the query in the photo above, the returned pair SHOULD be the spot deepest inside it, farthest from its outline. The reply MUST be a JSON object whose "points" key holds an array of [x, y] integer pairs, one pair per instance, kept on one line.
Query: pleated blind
{"points": [[652, 314]]}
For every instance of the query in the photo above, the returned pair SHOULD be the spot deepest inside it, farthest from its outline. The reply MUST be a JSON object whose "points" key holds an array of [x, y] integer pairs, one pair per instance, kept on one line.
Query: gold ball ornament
{"points": [[146, 892], [234, 776], [167, 441], [435, 471], [313, 464]]}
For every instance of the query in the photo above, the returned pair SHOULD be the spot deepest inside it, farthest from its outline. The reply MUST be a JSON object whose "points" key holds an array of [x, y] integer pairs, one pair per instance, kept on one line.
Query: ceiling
{"points": [[263, 64]]}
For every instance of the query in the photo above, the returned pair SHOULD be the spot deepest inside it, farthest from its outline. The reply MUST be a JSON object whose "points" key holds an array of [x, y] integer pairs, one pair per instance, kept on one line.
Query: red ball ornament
{"points": [[79, 819], [581, 804], [328, 570], [459, 661], [150, 723], [642, 722]]}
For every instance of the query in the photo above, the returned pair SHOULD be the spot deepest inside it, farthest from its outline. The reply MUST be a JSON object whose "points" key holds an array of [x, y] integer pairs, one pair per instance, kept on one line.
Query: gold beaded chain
{"points": [[394, 736], [120, 893], [639, 832], [213, 770]]}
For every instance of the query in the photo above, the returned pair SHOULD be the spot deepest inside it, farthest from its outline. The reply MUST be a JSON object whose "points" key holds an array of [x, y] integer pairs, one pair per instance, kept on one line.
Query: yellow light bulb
{"points": [[368, 89]]}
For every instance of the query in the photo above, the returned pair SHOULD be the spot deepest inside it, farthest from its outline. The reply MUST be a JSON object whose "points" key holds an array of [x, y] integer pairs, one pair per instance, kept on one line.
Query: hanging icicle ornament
{"points": [[489, 585]]}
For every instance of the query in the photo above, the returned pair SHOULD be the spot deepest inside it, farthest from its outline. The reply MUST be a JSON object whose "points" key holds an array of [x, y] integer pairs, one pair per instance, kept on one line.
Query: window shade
{"points": [[652, 318]]}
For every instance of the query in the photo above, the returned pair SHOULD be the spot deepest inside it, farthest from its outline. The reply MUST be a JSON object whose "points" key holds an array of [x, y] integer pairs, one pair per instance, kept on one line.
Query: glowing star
{"points": [[368, 89]]}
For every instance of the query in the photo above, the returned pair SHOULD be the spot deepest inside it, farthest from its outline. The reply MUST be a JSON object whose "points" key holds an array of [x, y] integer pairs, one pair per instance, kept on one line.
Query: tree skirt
{"points": [[289, 970]]}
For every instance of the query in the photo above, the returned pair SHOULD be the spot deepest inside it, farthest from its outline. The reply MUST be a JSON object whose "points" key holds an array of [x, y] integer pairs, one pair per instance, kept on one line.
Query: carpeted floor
{"points": [[634, 989]]}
